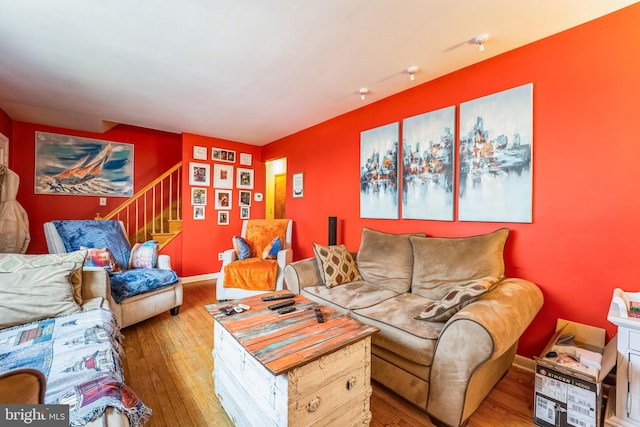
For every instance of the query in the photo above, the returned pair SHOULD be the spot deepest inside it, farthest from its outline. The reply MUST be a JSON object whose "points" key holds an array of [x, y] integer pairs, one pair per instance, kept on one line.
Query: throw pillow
{"points": [[31, 294], [144, 255], [101, 257], [441, 264], [386, 259], [241, 247], [15, 262], [271, 250], [454, 300], [336, 264]]}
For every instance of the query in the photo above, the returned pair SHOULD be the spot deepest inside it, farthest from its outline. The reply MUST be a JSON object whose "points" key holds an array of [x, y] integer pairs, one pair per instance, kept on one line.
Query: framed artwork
{"points": [[379, 172], [198, 196], [199, 153], [245, 178], [199, 174], [298, 184], [428, 151], [495, 157], [246, 159], [223, 199], [223, 218], [68, 164], [244, 198], [222, 155], [198, 212], [244, 212], [222, 176]]}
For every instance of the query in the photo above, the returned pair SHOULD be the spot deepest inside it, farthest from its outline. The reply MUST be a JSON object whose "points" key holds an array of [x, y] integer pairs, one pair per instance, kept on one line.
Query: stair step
{"points": [[163, 237], [175, 225]]}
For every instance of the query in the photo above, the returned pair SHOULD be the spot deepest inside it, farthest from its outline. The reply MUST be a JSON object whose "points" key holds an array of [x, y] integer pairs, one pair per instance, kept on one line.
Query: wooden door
{"points": [[280, 196]]}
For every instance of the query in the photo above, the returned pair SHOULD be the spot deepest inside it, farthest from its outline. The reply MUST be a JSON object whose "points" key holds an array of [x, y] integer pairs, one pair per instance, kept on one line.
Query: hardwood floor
{"points": [[168, 363]]}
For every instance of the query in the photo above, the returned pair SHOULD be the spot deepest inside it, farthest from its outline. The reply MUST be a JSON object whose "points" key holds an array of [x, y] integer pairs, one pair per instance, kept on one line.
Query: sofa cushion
{"points": [[14, 262], [441, 264], [350, 296], [144, 255], [336, 265], [400, 332], [386, 259], [454, 300], [36, 293]]}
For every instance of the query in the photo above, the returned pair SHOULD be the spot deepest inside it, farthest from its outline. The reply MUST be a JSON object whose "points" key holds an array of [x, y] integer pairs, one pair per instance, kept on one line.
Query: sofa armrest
{"points": [[482, 332], [303, 273], [164, 262]]}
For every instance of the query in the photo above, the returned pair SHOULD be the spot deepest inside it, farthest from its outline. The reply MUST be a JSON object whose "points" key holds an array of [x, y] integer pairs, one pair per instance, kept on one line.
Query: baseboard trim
{"points": [[199, 278], [524, 363]]}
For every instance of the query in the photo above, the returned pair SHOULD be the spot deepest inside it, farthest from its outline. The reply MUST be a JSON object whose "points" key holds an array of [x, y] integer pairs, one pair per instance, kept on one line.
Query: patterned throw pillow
{"points": [[456, 299], [144, 255], [101, 257], [336, 264], [15, 262], [241, 247], [271, 250]]}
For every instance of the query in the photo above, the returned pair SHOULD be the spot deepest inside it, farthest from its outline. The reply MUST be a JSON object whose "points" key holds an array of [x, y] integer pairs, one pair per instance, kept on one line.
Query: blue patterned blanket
{"points": [[79, 355]]}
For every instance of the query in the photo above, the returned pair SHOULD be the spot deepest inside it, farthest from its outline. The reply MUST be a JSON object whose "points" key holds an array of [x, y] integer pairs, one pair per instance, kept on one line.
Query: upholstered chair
{"points": [[262, 268]]}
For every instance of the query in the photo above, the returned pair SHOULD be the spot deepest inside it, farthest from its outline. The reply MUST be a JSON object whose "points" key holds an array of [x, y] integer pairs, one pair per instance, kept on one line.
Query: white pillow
{"points": [[36, 293]]}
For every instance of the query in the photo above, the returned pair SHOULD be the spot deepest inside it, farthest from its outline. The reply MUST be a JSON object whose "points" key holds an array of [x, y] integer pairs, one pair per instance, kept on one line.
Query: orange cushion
{"points": [[251, 273]]}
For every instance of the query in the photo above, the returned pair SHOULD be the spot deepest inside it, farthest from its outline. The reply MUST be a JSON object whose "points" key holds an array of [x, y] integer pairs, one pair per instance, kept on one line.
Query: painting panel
{"points": [[82, 166], [495, 157], [379, 172], [223, 199], [199, 174], [245, 178], [198, 196], [428, 157]]}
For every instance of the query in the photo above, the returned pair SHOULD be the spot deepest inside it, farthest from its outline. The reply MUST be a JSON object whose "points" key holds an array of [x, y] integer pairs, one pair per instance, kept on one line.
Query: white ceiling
{"points": [[246, 70]]}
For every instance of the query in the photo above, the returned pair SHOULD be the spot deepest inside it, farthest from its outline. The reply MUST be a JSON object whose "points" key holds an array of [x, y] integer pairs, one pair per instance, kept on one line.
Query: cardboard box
{"points": [[569, 393]]}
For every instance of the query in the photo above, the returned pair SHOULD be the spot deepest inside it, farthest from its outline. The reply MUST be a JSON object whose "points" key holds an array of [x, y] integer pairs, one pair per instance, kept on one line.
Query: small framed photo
{"points": [[199, 174], [298, 184], [198, 196], [223, 199], [198, 212], [222, 176], [223, 218], [245, 178], [246, 159], [199, 153], [244, 212], [223, 155], [244, 198]]}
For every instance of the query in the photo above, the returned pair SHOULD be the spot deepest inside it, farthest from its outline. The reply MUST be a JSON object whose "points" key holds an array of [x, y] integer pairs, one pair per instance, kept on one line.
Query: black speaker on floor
{"points": [[333, 229]]}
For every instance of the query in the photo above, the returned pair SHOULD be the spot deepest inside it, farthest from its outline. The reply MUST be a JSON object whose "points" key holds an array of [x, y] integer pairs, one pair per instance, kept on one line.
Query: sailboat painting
{"points": [[82, 166]]}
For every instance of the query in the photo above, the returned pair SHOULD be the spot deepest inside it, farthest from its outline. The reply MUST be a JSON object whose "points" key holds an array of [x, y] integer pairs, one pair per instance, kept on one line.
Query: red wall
{"points": [[154, 153], [204, 239], [586, 102]]}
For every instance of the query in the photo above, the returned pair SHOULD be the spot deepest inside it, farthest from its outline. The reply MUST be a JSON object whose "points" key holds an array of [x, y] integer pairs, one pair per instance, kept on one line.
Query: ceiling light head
{"points": [[480, 40], [412, 72], [363, 91]]}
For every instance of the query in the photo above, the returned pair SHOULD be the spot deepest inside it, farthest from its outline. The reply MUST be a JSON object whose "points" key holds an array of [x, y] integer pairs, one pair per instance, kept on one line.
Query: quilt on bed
{"points": [[80, 355]]}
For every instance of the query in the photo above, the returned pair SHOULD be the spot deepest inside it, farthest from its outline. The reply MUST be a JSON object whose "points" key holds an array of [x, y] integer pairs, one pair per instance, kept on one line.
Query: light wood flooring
{"points": [[168, 363]]}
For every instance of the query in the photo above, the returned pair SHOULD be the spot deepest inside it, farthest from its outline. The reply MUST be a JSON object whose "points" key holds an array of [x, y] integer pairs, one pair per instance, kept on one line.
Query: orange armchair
{"points": [[255, 275]]}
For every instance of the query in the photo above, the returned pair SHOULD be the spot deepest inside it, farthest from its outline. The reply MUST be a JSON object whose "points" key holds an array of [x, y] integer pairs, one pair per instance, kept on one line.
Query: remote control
{"points": [[286, 310], [276, 297], [319, 316], [282, 304]]}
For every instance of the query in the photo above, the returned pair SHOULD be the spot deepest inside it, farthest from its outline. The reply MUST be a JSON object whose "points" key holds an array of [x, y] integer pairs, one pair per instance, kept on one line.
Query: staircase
{"points": [[154, 212]]}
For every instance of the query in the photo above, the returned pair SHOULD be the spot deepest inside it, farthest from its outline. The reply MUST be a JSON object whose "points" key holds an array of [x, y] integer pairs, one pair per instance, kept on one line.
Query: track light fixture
{"points": [[479, 40], [363, 91], [412, 72]]}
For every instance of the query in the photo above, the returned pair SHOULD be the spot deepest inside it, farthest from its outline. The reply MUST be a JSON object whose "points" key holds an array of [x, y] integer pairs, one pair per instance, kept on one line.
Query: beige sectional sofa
{"points": [[449, 320], [55, 318]]}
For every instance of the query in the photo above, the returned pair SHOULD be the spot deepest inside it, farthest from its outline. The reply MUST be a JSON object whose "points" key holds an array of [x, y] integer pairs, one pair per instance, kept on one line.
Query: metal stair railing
{"points": [[151, 211]]}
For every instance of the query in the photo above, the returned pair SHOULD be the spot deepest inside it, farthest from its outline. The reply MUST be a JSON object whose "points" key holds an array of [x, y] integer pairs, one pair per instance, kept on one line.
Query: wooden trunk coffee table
{"points": [[290, 370]]}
